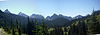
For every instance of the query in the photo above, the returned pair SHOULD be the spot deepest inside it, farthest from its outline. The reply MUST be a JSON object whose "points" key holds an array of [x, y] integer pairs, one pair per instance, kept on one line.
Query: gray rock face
{"points": [[22, 14], [77, 17], [55, 16], [6, 11], [37, 16]]}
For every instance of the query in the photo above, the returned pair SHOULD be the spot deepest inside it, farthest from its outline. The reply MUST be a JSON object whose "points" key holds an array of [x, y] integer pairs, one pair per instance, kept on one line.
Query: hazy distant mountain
{"points": [[66, 17], [79, 16], [22, 14], [36, 16], [58, 20], [55, 16], [48, 18]]}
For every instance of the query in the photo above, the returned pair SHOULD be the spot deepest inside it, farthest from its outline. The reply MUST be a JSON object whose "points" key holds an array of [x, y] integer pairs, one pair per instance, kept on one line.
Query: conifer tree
{"points": [[13, 31], [45, 30], [18, 27], [12, 28], [29, 27], [92, 23]]}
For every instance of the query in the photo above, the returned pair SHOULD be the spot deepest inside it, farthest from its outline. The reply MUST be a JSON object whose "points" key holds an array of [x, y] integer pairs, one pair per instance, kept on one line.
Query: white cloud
{"points": [[2, 0]]}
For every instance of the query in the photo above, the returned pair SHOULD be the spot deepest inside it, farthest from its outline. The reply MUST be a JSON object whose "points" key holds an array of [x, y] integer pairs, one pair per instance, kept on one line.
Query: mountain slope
{"points": [[57, 21], [9, 19], [22, 14]]}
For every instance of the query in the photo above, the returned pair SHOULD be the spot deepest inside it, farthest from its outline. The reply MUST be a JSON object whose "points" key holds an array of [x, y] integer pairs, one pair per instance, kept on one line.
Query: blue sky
{"points": [[49, 7]]}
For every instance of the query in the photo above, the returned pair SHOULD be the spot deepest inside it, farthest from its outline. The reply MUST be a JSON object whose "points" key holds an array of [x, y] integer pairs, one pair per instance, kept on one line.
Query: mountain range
{"points": [[51, 21]]}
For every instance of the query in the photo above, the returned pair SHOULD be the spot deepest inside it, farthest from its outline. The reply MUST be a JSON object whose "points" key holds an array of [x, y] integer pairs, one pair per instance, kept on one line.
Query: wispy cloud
{"points": [[2, 0]]}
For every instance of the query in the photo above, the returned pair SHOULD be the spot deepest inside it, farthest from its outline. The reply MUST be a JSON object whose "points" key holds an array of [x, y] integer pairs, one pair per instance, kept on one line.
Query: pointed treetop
{"points": [[93, 9]]}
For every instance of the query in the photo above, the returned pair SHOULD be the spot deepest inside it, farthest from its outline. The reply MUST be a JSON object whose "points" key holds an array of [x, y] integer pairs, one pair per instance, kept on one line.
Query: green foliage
{"points": [[86, 26], [41, 29]]}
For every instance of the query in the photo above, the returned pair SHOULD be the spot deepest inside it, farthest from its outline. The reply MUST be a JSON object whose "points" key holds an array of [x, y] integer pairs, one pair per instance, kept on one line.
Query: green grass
{"points": [[2, 32]]}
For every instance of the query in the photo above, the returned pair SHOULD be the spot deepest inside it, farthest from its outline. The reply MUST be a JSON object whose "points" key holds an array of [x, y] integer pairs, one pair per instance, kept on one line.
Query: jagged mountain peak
{"points": [[55, 16], [60, 15], [37, 16], [22, 14], [48, 18], [78, 16], [6, 11]]}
